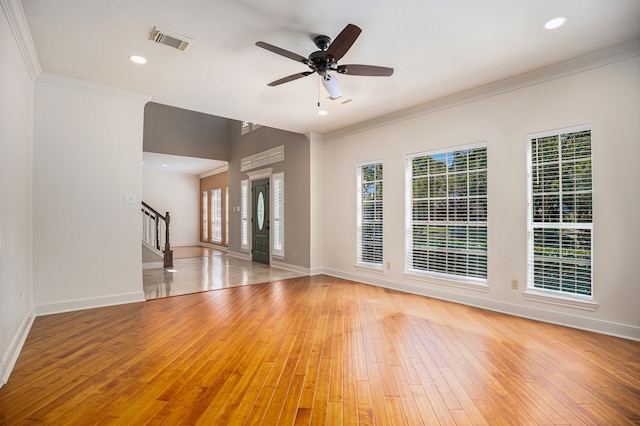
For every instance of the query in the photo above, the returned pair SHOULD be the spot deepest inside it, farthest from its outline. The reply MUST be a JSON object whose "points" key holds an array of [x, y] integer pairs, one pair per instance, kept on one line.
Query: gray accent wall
{"points": [[176, 131], [297, 215]]}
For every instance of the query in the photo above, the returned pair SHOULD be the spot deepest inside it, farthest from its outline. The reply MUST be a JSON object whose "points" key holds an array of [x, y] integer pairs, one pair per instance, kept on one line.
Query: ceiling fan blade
{"points": [[343, 42], [282, 52], [290, 78], [331, 84], [367, 70]]}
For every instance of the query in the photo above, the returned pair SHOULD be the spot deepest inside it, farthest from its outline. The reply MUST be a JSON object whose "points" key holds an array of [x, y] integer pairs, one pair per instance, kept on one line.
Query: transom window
{"points": [[446, 222]]}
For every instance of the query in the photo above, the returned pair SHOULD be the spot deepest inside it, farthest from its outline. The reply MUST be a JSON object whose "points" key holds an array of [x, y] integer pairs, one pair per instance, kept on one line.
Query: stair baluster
{"points": [[153, 221]]}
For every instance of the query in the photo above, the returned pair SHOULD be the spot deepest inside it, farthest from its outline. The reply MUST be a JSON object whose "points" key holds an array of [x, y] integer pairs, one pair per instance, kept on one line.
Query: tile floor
{"points": [[201, 269]]}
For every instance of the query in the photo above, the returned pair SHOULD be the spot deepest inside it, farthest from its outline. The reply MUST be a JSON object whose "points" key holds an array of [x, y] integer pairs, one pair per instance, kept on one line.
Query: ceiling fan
{"points": [[326, 60]]}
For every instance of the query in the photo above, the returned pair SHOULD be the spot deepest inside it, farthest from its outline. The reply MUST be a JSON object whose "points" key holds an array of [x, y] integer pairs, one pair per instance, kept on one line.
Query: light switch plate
{"points": [[129, 199]]}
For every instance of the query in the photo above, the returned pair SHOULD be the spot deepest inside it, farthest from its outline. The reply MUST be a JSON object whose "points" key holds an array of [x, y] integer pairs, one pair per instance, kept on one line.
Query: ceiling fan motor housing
{"points": [[322, 41], [318, 62]]}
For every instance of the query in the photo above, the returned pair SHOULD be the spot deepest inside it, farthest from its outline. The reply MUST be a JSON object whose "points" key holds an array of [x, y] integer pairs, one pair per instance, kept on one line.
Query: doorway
{"points": [[260, 221]]}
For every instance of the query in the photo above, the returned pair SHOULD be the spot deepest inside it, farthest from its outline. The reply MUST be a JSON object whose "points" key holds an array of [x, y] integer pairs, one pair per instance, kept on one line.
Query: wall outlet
{"points": [[388, 265], [514, 284]]}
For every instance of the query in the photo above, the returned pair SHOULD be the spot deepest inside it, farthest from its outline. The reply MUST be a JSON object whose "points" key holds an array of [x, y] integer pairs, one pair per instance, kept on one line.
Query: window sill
{"points": [[468, 285], [372, 269], [553, 299]]}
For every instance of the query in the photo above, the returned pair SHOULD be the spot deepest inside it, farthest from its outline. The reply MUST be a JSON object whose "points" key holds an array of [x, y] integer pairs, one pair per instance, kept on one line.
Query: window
{"points": [[560, 215], [245, 128], [205, 216], [216, 214], [369, 214], [226, 215], [446, 213], [278, 214], [244, 212]]}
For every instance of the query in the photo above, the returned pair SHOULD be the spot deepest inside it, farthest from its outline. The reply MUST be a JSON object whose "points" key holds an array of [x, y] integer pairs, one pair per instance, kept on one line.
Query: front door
{"points": [[260, 221]]}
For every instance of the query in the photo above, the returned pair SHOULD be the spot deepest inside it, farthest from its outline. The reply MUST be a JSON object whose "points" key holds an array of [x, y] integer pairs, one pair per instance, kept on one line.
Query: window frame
{"points": [[360, 222], [216, 215], [448, 278], [277, 215], [226, 216], [204, 214], [559, 296], [244, 215]]}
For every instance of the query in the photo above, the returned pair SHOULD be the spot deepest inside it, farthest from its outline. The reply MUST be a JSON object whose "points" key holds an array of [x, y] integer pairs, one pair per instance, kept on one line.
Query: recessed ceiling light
{"points": [[322, 112], [138, 59], [556, 22], [165, 165]]}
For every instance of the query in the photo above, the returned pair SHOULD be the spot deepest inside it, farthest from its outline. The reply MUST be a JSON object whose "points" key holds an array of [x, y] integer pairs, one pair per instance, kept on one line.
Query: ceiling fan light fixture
{"points": [[554, 23], [331, 84]]}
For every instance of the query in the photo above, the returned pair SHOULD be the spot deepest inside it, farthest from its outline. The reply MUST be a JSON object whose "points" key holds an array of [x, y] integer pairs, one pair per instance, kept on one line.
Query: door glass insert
{"points": [[260, 211]]}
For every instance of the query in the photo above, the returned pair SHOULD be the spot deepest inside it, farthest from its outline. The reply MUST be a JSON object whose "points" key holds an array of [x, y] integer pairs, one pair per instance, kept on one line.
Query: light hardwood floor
{"points": [[316, 350]]}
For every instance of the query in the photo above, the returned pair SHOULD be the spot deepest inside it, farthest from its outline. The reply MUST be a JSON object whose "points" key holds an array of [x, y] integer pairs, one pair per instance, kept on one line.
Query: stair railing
{"points": [[153, 225]]}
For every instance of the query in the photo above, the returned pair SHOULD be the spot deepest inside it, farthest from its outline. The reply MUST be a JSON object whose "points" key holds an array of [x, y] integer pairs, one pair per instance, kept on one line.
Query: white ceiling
{"points": [[437, 47]]}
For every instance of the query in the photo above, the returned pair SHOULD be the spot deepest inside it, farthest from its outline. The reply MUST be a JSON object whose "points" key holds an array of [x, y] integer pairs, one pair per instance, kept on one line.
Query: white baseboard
{"points": [[288, 267], [213, 246], [15, 347], [316, 271], [239, 255], [95, 302], [539, 314], [274, 263], [152, 265]]}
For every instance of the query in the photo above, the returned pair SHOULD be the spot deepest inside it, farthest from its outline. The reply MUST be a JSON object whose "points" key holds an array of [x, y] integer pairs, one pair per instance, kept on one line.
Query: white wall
{"points": [[87, 155], [316, 172], [16, 154], [179, 195], [606, 96]]}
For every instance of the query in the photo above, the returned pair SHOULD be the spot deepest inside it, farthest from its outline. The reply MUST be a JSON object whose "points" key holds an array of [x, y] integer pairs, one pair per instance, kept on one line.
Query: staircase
{"points": [[155, 234]]}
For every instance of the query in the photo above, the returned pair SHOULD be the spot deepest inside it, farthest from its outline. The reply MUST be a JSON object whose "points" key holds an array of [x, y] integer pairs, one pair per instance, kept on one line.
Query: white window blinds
{"points": [[369, 214], [244, 213], [216, 214], [205, 216], [560, 213], [226, 215], [278, 214], [446, 213]]}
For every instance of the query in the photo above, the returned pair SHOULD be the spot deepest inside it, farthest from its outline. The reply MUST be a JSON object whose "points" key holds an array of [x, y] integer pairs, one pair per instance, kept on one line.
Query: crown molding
{"points": [[20, 28], [215, 171], [598, 59], [67, 83]]}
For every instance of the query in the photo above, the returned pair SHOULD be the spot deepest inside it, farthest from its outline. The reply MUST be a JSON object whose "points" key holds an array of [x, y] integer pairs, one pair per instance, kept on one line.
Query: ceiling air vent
{"points": [[168, 38]]}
